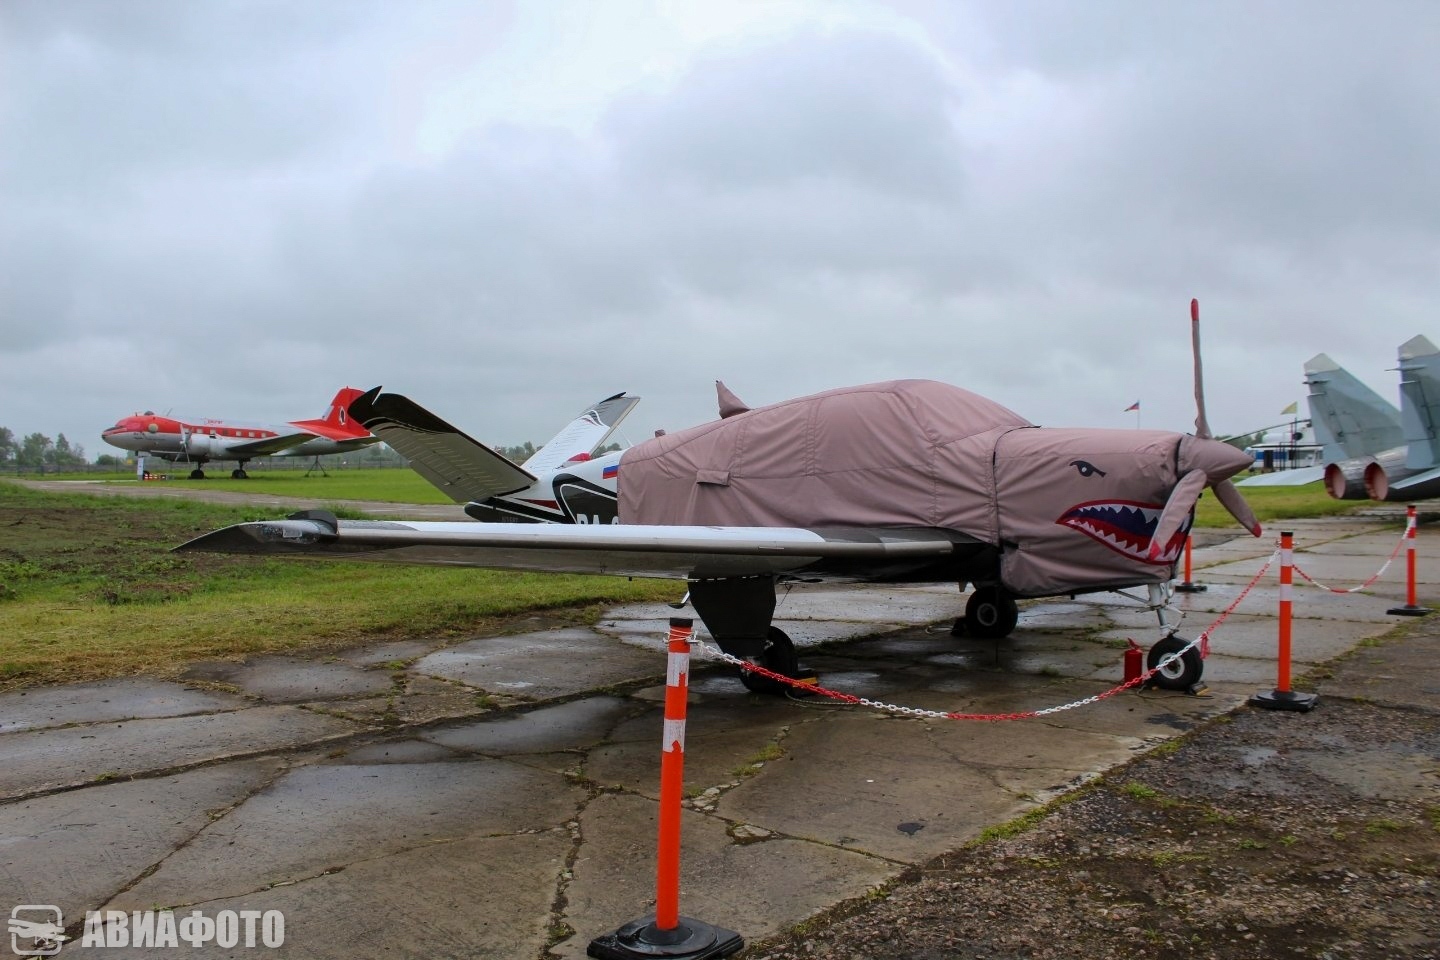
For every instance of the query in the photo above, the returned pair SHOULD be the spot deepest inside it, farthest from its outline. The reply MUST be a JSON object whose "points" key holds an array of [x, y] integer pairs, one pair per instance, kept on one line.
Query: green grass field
{"points": [[391, 485], [89, 586]]}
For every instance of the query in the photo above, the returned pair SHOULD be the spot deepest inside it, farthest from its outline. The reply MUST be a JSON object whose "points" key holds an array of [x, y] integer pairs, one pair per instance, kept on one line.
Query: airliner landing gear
{"points": [[197, 474], [990, 614], [239, 474]]}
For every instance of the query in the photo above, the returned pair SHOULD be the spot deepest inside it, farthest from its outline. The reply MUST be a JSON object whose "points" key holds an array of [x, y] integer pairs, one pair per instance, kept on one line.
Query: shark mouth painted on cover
{"points": [[1126, 527]]}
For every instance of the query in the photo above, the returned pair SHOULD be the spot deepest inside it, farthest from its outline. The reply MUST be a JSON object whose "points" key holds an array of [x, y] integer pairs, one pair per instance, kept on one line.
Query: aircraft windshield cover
{"points": [[904, 453]]}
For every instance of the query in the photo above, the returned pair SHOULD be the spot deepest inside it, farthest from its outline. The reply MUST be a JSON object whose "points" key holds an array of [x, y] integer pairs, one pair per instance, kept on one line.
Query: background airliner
{"points": [[199, 441]]}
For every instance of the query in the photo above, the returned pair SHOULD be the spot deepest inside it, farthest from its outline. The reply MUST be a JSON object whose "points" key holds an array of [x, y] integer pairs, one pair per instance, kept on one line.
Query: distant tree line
{"points": [[36, 450], [527, 450]]}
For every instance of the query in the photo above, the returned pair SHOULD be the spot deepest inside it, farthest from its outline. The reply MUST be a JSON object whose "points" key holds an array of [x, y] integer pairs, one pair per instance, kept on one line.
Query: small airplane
{"points": [[903, 481], [563, 482], [1371, 450], [198, 442]]}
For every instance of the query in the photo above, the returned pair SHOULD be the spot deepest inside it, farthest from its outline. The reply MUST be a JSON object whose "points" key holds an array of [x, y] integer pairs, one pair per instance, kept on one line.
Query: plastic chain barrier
{"points": [[1409, 524], [1202, 642]]}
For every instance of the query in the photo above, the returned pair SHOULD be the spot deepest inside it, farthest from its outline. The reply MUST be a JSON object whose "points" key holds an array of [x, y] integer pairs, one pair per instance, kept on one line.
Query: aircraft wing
{"points": [[267, 446], [680, 552], [462, 468], [1284, 478]]}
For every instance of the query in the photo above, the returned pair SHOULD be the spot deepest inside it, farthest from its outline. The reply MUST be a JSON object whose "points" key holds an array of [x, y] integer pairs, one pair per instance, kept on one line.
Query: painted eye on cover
{"points": [[1086, 468]]}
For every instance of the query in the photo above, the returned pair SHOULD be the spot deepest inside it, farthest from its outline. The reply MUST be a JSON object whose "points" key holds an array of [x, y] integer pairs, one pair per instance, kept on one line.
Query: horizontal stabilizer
{"points": [[1284, 478], [462, 468]]}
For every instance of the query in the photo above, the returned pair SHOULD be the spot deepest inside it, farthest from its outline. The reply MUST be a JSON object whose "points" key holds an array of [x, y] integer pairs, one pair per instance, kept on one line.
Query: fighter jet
{"points": [[902, 481]]}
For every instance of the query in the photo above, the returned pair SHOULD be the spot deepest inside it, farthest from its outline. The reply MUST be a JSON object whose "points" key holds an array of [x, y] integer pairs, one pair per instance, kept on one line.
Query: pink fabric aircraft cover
{"points": [[911, 453]]}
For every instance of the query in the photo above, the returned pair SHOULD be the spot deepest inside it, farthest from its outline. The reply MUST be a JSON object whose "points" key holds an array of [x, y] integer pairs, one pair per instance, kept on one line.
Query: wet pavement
{"points": [[497, 796]]}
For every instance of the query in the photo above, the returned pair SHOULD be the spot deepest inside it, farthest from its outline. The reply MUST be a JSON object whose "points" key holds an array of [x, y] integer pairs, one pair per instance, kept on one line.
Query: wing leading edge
{"points": [[676, 552]]}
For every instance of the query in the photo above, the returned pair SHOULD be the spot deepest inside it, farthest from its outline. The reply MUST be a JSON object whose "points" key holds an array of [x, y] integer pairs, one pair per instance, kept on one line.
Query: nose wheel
{"points": [[1182, 673]]}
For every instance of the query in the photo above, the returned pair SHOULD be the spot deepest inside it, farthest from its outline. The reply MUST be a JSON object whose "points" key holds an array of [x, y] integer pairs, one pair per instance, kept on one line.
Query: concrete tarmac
{"points": [[497, 796]]}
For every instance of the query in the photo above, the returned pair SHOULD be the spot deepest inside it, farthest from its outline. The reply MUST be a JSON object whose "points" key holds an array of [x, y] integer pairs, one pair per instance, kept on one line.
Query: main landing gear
{"points": [[990, 614], [777, 656], [239, 474], [197, 474], [1179, 674]]}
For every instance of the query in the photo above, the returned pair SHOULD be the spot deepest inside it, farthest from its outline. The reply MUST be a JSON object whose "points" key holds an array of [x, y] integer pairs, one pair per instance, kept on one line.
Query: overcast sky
{"points": [[508, 211]]}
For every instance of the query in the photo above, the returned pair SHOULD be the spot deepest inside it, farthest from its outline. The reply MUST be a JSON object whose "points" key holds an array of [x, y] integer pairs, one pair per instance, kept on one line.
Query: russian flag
{"points": [[1133, 406], [610, 472]]}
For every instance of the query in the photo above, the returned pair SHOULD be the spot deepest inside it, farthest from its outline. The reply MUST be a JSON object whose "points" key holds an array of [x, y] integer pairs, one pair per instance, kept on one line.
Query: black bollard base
{"points": [[1188, 587], [1408, 611], [690, 940], [1285, 700]]}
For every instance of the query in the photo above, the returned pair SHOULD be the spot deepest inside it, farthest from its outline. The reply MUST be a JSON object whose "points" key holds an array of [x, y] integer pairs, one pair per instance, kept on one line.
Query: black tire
{"points": [[778, 656], [1179, 674], [197, 474], [239, 475], [991, 613]]}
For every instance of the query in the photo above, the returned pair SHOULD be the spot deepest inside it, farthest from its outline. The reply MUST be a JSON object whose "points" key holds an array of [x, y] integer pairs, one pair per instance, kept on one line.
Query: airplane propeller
{"points": [[1202, 464]]}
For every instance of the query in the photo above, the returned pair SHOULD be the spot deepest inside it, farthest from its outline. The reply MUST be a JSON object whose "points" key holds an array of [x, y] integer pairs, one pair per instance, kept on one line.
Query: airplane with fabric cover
{"points": [[904, 481], [200, 441]]}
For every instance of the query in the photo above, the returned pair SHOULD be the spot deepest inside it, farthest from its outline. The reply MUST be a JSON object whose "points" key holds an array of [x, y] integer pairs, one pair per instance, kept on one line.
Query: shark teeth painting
{"points": [[1126, 527]]}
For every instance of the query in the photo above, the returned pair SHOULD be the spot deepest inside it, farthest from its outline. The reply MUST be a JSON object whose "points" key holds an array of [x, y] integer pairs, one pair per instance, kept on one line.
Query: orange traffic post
{"points": [[1411, 609], [667, 934], [1189, 586], [1282, 697]]}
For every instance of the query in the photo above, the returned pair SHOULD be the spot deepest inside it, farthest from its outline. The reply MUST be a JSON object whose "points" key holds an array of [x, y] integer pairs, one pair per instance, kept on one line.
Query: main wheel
{"points": [[197, 474], [239, 474], [990, 613], [779, 657], [1179, 674]]}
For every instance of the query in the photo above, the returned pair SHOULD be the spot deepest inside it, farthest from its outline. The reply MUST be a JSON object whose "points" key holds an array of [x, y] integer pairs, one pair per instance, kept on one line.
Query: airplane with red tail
{"points": [[199, 441]]}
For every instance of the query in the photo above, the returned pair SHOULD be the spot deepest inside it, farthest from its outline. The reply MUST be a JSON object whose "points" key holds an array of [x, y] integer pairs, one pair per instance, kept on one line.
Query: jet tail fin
{"points": [[1420, 402], [1349, 418], [590, 429], [462, 468]]}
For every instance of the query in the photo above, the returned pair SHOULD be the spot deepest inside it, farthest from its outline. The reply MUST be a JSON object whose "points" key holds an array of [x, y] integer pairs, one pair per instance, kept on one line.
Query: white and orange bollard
{"points": [[1188, 585], [1282, 697], [667, 934], [1411, 608]]}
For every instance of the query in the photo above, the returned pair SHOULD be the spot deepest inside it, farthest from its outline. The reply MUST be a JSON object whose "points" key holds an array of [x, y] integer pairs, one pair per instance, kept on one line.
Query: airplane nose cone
{"points": [[1220, 461]]}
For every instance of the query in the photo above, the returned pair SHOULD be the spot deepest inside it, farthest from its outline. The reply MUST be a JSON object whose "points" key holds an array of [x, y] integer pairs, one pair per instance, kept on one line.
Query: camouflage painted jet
{"points": [[904, 481]]}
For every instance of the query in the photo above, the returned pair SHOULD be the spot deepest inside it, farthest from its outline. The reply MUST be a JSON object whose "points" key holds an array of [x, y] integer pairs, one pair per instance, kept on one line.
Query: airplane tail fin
{"points": [[590, 429], [336, 423], [1349, 418], [1420, 402]]}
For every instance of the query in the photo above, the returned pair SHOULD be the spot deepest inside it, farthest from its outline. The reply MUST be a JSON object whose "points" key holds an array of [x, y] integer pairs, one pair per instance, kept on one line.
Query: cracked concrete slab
{"points": [[760, 887], [316, 819], [541, 665], [94, 842], [292, 679], [41, 760], [125, 699]]}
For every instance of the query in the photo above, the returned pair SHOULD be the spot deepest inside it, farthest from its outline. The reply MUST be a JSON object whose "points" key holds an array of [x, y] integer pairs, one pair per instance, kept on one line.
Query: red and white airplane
{"points": [[200, 441]]}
